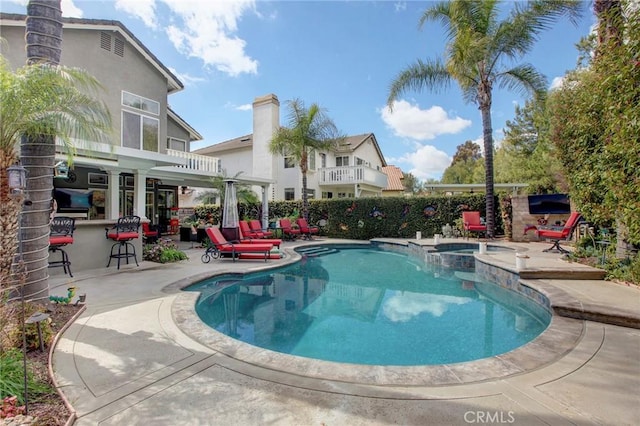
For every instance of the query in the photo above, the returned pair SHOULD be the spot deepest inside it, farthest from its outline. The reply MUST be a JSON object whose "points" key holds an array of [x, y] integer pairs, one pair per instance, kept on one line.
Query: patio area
{"points": [[130, 358]]}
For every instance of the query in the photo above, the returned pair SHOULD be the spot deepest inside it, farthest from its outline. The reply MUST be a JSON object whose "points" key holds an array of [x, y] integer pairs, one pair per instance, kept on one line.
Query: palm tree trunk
{"points": [[44, 45], [487, 135]]}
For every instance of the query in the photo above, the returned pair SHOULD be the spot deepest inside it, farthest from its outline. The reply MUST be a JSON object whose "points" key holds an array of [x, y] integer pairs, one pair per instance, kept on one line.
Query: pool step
{"points": [[316, 251]]}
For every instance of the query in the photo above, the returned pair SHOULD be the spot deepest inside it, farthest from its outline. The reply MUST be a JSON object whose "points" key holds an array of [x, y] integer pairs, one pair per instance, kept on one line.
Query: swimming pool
{"points": [[368, 306]]}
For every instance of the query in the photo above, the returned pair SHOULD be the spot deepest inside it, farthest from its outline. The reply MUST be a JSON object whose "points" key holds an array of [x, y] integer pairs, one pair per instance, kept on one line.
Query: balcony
{"points": [[350, 175], [202, 163]]}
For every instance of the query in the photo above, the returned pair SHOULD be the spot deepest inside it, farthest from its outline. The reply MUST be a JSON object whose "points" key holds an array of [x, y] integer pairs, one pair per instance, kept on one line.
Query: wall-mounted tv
{"points": [[73, 199], [549, 204]]}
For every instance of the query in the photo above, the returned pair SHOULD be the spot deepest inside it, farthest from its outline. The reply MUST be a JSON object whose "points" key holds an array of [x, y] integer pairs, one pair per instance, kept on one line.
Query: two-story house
{"points": [[353, 170], [143, 167]]}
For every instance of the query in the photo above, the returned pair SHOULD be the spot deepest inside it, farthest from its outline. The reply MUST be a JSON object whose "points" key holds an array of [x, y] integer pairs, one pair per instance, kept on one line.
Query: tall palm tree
{"points": [[55, 102], [308, 129], [479, 54]]}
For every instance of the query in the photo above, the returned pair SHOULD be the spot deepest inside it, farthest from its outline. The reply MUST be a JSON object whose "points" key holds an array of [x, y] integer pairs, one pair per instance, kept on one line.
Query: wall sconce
{"points": [[184, 190], [17, 177]]}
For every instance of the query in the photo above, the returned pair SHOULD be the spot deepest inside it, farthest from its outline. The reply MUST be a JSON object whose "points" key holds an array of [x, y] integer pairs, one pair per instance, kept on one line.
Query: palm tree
{"points": [[45, 102], [244, 193], [479, 52], [308, 129]]}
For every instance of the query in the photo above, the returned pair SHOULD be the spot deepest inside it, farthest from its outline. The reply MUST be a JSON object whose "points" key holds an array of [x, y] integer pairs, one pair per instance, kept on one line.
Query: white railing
{"points": [[196, 161], [352, 175]]}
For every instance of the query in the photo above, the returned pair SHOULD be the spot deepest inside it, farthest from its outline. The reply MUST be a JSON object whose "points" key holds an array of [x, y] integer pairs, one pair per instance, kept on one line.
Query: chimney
{"points": [[266, 120]]}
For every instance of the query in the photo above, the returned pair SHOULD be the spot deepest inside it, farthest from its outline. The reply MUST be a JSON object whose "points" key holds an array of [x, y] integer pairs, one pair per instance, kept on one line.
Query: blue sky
{"points": [[342, 55]]}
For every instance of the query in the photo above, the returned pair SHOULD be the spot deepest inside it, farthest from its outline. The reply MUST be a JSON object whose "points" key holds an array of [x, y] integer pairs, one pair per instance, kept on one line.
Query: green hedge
{"points": [[366, 218]]}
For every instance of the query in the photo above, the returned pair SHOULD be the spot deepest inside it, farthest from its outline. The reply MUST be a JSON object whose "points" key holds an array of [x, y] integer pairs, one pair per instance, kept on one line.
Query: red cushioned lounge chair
{"points": [[306, 230], [246, 230], [276, 242], [219, 245], [256, 226], [559, 233], [288, 231], [472, 223]]}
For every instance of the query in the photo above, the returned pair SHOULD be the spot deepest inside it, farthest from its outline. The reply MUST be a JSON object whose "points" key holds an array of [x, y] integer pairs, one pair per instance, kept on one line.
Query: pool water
{"points": [[368, 306]]}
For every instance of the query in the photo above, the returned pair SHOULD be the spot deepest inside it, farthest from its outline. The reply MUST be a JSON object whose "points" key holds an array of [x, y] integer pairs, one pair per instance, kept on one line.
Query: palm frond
{"points": [[524, 79], [432, 75]]}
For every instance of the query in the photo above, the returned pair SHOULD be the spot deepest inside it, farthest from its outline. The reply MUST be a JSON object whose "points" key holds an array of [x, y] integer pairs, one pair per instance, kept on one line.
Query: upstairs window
{"points": [[342, 161], [140, 103], [312, 159], [140, 131], [289, 194], [177, 144], [289, 162]]}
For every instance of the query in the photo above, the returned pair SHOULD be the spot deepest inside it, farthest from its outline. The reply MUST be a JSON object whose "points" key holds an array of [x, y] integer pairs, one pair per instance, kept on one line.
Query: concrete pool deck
{"points": [[133, 358]]}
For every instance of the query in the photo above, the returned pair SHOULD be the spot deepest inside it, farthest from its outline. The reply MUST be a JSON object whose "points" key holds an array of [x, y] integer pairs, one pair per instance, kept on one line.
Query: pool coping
{"points": [[559, 338]]}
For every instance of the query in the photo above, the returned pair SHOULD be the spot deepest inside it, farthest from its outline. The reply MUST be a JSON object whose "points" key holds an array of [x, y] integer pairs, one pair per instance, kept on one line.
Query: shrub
{"points": [[11, 329], [12, 378], [164, 251]]}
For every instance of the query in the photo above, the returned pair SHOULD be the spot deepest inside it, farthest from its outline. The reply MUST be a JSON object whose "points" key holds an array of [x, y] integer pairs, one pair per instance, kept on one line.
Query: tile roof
{"points": [[394, 178]]}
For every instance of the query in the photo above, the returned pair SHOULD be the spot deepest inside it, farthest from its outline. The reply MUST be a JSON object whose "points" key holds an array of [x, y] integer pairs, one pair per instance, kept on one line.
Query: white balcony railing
{"points": [[352, 175], [196, 161]]}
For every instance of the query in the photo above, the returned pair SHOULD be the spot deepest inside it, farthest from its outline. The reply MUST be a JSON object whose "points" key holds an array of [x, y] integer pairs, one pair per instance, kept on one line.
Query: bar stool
{"points": [[126, 229], [61, 234]]}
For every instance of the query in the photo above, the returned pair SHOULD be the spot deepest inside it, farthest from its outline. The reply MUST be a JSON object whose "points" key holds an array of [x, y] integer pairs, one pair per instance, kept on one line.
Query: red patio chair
{"points": [[276, 242], [149, 233], [257, 226], [289, 232], [220, 246], [472, 223], [61, 234], [126, 229], [306, 230], [246, 230], [559, 233]]}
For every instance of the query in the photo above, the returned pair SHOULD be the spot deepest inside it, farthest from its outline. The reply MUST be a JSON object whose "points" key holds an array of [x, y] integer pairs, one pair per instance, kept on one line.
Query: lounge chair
{"points": [[559, 233], [289, 232], [256, 226], [276, 242], [246, 230], [219, 246], [305, 230], [472, 223]]}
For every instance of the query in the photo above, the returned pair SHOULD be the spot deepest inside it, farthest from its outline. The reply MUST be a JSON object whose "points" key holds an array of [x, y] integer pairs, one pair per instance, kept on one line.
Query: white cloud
{"points": [[187, 79], [425, 162], [201, 29], [207, 31], [69, 9], [145, 10], [409, 120], [400, 6], [244, 107], [556, 83], [403, 307]]}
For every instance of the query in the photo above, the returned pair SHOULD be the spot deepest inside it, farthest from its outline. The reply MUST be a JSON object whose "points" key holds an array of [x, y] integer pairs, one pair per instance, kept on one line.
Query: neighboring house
{"points": [[147, 161], [395, 179], [353, 170]]}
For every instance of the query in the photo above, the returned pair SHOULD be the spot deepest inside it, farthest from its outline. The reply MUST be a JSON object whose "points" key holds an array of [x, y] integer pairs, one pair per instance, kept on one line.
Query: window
{"points": [[140, 103], [311, 193], [219, 169], [289, 162], [289, 194], [342, 161], [361, 162], [140, 132], [327, 195], [177, 144], [312, 159], [323, 160]]}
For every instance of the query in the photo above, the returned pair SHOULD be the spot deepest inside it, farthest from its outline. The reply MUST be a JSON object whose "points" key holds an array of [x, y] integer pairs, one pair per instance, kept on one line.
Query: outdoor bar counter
{"points": [[91, 248]]}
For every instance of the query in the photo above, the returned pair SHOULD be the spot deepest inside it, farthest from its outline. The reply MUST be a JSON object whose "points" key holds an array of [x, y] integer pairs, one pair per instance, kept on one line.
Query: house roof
{"points": [[394, 178], [193, 134], [350, 144], [241, 142], [173, 83]]}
